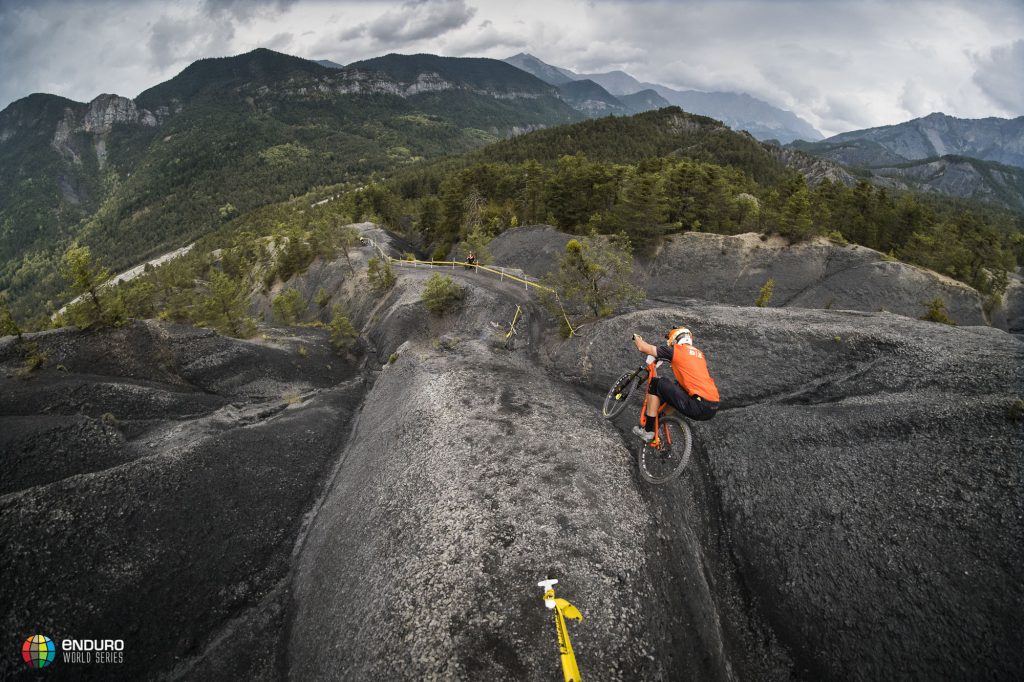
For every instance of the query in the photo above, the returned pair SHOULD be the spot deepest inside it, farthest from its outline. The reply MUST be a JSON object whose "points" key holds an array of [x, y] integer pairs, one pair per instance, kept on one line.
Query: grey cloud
{"points": [[280, 42], [486, 38], [420, 19], [56, 48], [1001, 76], [244, 10], [351, 33], [173, 40], [844, 113]]}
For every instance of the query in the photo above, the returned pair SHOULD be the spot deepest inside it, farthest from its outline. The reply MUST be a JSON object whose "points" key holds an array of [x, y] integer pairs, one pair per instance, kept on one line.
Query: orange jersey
{"points": [[691, 372]]}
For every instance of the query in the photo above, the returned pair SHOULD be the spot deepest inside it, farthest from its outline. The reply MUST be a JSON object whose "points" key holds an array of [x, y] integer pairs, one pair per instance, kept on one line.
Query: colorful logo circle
{"points": [[38, 651]]}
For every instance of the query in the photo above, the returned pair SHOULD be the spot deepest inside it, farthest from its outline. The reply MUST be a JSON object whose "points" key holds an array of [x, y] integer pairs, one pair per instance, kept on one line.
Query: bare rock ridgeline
{"points": [[732, 269]]}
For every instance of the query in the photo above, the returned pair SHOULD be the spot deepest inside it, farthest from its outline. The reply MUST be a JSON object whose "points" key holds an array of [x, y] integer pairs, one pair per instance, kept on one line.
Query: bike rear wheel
{"points": [[664, 463], [618, 394]]}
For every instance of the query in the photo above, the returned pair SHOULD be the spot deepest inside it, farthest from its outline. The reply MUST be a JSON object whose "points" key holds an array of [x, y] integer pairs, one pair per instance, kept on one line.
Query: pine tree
{"points": [[796, 221], [347, 239], [343, 334], [226, 308], [380, 274], [84, 276], [8, 326], [594, 273], [288, 306]]}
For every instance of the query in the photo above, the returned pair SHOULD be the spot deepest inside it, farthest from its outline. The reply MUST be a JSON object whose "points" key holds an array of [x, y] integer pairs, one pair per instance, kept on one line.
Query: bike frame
{"points": [[652, 371]]}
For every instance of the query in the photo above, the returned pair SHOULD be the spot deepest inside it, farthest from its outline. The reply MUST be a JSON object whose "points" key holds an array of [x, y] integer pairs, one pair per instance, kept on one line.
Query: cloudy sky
{"points": [[840, 64]]}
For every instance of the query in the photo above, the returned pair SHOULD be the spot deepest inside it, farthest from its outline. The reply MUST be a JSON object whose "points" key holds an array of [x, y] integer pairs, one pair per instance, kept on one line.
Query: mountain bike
{"points": [[665, 457]]}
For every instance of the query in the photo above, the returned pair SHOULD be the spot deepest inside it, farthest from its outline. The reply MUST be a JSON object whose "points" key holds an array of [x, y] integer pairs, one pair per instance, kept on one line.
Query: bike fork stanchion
{"points": [[563, 609]]}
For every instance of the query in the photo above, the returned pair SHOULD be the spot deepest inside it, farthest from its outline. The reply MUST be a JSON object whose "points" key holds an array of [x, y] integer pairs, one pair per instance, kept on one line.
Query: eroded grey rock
{"points": [[732, 269], [868, 468], [854, 510], [157, 481]]}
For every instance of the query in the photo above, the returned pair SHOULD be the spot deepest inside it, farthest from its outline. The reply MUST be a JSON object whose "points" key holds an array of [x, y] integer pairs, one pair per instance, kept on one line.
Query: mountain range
{"points": [[738, 111], [979, 159], [136, 177]]}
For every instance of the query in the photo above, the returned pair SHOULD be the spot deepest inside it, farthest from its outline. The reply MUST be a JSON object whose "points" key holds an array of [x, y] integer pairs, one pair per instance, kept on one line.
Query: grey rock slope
{"points": [[814, 169], [251, 512], [868, 468], [455, 501], [952, 174], [474, 472], [155, 482], [732, 269]]}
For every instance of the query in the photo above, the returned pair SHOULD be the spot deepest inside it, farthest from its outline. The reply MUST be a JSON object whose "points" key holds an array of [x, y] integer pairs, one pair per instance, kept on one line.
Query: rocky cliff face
{"points": [[360, 82], [965, 158], [854, 510], [958, 176], [98, 119], [732, 269], [815, 170], [992, 139]]}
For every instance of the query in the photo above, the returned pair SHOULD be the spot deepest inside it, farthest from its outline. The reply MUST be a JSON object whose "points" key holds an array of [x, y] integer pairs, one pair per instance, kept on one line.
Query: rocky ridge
{"points": [[732, 269], [935, 135], [959, 176], [814, 169]]}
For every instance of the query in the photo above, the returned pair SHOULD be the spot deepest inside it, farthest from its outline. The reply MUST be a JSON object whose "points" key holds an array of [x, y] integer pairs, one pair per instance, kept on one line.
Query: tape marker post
{"points": [[563, 609]]}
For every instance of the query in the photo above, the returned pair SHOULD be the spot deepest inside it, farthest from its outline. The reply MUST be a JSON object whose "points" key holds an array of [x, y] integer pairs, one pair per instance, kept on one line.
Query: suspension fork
{"points": [[652, 371]]}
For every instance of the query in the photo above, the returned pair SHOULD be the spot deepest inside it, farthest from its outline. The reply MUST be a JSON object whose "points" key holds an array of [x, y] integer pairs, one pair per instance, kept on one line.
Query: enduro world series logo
{"points": [[39, 651]]}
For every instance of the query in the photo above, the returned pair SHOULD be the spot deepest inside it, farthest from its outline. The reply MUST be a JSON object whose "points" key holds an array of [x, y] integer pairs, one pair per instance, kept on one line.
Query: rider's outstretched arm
{"points": [[643, 346]]}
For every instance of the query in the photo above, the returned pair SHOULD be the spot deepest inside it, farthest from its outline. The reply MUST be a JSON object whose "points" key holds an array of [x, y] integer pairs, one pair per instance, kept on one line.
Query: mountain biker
{"points": [[692, 392]]}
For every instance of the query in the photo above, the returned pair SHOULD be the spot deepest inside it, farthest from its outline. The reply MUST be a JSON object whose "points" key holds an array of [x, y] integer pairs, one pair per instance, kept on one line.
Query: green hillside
{"points": [[462, 202], [214, 76], [472, 72], [666, 171], [231, 134]]}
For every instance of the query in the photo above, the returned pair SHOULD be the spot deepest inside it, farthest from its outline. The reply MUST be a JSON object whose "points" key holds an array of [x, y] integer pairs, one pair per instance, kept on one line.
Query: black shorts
{"points": [[693, 407]]}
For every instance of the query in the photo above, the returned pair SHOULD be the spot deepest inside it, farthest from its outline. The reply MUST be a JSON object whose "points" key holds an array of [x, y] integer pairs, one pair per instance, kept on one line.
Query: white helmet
{"points": [[679, 335]]}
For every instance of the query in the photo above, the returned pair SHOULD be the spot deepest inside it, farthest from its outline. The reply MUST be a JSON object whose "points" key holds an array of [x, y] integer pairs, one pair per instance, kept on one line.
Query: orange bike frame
{"points": [[652, 371]]}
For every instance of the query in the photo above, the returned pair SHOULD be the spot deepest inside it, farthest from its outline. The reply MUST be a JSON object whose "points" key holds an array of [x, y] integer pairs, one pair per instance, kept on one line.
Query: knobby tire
{"points": [[663, 464], [618, 395]]}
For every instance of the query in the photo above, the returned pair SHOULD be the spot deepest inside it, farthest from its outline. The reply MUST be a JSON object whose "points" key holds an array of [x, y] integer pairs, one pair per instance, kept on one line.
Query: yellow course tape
{"points": [[512, 327], [563, 609]]}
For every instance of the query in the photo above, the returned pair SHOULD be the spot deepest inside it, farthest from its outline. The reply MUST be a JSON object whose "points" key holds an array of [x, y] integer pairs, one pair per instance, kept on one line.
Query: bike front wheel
{"points": [[618, 394], [664, 462]]}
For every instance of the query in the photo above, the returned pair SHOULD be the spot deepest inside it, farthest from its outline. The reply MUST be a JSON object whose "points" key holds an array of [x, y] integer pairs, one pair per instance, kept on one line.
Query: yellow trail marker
{"points": [[512, 327], [563, 610]]}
